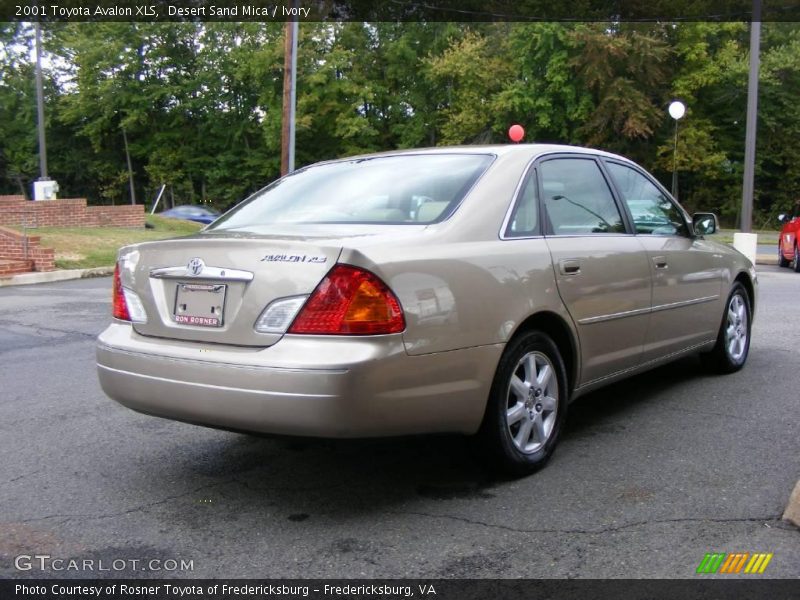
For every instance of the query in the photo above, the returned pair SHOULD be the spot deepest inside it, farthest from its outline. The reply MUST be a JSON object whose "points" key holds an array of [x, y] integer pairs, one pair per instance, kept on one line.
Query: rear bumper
{"points": [[322, 386]]}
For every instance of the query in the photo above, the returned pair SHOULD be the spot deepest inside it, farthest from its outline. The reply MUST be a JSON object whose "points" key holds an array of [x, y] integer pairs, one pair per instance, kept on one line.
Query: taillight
{"points": [[127, 304], [118, 298], [350, 301]]}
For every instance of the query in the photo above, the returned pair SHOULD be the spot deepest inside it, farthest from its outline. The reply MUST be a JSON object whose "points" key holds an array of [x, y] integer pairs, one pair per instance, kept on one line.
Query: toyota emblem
{"points": [[196, 266]]}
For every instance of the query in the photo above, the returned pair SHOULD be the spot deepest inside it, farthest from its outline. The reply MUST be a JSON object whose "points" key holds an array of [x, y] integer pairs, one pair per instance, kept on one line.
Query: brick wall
{"points": [[15, 247], [15, 211]]}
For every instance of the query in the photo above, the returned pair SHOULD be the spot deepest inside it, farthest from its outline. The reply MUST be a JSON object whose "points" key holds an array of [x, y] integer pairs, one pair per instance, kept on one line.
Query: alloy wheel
{"points": [[532, 402], [737, 329]]}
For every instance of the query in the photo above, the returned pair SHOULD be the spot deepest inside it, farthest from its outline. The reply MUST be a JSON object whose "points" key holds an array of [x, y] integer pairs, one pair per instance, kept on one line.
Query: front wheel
{"points": [[796, 264], [733, 340], [527, 405]]}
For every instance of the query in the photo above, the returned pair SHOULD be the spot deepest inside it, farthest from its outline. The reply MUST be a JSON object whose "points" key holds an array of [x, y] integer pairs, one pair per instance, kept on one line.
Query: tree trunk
{"points": [[21, 185], [130, 168]]}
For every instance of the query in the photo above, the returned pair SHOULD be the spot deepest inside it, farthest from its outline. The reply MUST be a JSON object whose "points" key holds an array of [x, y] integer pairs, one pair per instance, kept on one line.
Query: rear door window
{"points": [[524, 219], [577, 199]]}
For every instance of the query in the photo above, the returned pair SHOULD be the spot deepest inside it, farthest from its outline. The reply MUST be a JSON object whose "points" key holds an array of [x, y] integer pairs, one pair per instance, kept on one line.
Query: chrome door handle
{"points": [[660, 262], [569, 267]]}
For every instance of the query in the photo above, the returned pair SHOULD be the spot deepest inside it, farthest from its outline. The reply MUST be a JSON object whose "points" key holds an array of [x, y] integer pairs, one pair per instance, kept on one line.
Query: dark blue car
{"points": [[189, 212]]}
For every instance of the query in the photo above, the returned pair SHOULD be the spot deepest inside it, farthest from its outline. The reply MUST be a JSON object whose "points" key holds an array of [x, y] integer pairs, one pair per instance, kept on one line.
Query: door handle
{"points": [[660, 262], [569, 267]]}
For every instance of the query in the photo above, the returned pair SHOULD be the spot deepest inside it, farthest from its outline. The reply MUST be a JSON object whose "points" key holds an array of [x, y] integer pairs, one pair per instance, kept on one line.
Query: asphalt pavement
{"points": [[650, 475]]}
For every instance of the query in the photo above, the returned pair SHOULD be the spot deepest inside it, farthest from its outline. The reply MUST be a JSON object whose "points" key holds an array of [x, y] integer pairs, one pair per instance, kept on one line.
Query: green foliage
{"points": [[200, 103], [626, 74], [18, 144], [542, 94]]}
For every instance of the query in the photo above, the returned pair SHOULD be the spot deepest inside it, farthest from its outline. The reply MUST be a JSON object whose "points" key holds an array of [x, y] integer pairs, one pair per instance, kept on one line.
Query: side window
{"points": [[525, 217], [577, 199], [652, 211]]}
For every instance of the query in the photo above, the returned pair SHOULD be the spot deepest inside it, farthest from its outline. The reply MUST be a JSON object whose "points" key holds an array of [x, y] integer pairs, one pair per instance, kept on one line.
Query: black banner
{"points": [[394, 589], [395, 10]]}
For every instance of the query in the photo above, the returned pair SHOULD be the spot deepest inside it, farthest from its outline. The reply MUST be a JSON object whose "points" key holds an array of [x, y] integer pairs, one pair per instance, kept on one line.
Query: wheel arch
{"points": [[559, 331], [745, 280]]}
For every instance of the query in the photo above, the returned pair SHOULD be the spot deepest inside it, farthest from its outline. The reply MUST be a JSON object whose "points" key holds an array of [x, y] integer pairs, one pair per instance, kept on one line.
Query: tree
{"points": [[18, 141]]}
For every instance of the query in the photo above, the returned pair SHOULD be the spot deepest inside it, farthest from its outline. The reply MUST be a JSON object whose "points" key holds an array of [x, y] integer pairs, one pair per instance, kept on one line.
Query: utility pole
{"points": [[752, 113], [289, 96], [745, 241], [40, 105], [43, 188]]}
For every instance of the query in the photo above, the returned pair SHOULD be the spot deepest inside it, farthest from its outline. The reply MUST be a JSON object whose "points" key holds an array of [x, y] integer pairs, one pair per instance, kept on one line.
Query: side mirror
{"points": [[782, 218], [704, 223]]}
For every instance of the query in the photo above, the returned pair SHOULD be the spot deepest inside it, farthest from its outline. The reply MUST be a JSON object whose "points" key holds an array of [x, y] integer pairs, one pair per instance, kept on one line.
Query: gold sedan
{"points": [[474, 290]]}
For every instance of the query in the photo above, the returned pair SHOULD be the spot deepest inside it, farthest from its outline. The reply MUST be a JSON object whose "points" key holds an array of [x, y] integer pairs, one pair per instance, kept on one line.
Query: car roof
{"points": [[532, 150]]}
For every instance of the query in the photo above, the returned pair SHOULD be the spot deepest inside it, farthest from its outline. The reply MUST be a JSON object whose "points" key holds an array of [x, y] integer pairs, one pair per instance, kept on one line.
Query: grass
{"points": [[87, 247]]}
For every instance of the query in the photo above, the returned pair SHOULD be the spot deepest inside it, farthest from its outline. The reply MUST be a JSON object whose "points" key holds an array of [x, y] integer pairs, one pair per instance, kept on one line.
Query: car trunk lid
{"points": [[213, 288]]}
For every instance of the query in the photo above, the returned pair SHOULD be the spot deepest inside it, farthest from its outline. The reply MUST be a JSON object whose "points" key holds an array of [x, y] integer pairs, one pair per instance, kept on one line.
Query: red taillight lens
{"points": [[118, 299], [350, 301]]}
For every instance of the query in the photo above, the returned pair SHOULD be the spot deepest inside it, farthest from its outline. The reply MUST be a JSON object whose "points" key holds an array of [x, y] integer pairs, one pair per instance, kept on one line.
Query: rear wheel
{"points": [[782, 260], [733, 340], [527, 405]]}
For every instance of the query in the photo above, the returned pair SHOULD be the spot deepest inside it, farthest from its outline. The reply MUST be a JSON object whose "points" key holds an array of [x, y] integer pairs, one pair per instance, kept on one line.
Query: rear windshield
{"points": [[405, 189]]}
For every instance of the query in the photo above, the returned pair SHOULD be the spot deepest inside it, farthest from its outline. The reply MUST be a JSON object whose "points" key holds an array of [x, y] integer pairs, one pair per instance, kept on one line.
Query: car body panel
{"points": [[279, 269], [607, 296], [787, 240], [305, 385], [687, 293], [442, 313]]}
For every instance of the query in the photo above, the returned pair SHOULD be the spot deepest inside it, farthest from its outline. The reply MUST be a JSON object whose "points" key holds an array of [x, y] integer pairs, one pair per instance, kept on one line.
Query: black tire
{"points": [[796, 262], [540, 408], [733, 340], [782, 261]]}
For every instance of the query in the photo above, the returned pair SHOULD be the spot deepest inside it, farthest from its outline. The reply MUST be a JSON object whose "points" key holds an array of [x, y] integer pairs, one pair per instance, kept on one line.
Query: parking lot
{"points": [[650, 474]]}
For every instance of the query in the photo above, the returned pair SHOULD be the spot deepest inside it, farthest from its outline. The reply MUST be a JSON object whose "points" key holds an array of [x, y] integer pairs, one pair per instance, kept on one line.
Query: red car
{"points": [[788, 251]]}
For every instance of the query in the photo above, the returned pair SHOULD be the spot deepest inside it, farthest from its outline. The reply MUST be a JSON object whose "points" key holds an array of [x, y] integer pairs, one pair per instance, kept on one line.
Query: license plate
{"points": [[200, 304]]}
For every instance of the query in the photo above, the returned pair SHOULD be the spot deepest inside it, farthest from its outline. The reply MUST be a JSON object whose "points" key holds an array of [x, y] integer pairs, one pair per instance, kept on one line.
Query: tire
{"points": [[527, 406], [796, 263], [782, 261], [733, 340]]}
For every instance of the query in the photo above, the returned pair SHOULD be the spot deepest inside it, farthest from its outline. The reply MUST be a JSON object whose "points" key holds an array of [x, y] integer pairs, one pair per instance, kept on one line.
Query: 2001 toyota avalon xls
{"points": [[473, 290]]}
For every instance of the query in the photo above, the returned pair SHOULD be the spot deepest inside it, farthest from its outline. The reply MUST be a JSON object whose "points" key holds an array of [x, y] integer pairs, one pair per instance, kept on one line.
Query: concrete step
{"points": [[15, 267]]}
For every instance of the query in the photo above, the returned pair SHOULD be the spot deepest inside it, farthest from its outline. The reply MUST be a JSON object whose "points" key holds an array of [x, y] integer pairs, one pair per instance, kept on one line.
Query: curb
{"points": [[50, 276], [792, 513]]}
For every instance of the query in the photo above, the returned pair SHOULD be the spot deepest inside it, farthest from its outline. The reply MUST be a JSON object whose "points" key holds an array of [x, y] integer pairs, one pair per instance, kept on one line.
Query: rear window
{"points": [[406, 189]]}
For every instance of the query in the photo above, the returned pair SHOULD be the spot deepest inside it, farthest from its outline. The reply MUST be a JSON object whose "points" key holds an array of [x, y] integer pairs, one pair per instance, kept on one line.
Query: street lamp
{"points": [[676, 110]]}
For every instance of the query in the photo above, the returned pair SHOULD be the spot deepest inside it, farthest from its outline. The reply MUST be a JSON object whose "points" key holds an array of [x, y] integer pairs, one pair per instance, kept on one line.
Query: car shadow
{"points": [[607, 404], [258, 477]]}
